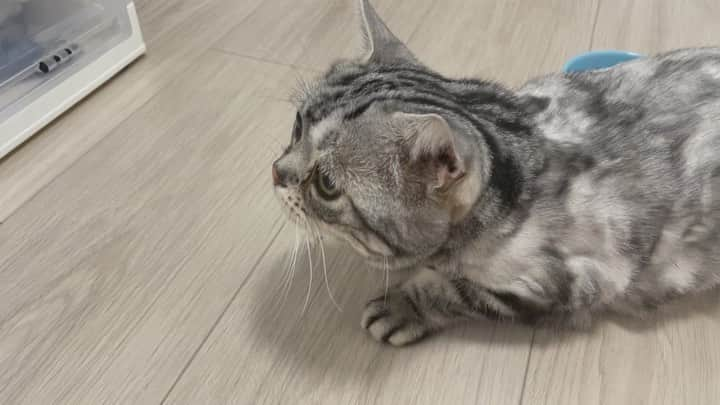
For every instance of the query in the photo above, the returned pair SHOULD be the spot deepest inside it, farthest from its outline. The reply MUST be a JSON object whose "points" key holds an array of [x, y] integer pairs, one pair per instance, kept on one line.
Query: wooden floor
{"points": [[142, 254]]}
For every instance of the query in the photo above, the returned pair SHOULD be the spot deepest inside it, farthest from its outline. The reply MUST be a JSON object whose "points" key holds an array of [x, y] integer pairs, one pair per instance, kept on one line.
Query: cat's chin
{"points": [[378, 260], [392, 263]]}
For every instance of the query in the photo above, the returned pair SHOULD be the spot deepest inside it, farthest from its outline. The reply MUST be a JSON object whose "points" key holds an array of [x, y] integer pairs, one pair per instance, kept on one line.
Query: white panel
{"points": [[30, 100]]}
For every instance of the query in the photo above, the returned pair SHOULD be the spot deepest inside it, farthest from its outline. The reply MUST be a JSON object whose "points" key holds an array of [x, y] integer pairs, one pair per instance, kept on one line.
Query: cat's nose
{"points": [[283, 176], [277, 181]]}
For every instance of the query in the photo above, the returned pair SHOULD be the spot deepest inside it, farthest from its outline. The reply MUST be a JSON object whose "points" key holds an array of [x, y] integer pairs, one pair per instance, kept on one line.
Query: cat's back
{"points": [[665, 96], [653, 120]]}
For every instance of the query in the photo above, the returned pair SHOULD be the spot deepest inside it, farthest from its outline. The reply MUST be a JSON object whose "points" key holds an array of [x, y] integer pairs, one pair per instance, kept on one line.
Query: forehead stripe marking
{"points": [[479, 103]]}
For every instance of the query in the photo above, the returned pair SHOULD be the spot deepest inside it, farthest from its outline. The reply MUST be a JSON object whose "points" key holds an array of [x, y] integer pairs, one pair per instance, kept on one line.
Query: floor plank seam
{"points": [[204, 8], [419, 24], [264, 60], [222, 313], [151, 41], [29, 198], [89, 149], [527, 368]]}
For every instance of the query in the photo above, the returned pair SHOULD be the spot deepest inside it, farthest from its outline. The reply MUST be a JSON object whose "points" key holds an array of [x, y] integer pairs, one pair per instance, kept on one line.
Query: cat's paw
{"points": [[395, 320]]}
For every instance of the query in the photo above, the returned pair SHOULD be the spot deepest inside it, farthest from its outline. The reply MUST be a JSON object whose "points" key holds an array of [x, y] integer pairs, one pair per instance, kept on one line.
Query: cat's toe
{"points": [[407, 334], [393, 324]]}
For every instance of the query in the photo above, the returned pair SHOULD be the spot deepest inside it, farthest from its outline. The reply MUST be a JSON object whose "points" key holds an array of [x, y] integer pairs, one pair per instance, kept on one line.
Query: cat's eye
{"points": [[325, 186], [297, 129]]}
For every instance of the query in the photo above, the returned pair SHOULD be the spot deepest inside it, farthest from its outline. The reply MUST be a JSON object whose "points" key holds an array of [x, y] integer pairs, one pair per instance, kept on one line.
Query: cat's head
{"points": [[375, 162]]}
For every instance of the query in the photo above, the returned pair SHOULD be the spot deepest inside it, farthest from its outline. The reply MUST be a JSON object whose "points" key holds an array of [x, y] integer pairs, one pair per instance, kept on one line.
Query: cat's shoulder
{"points": [[689, 62]]}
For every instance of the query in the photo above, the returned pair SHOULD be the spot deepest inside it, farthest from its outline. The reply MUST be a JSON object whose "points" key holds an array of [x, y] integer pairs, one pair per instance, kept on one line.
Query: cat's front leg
{"points": [[426, 303]]}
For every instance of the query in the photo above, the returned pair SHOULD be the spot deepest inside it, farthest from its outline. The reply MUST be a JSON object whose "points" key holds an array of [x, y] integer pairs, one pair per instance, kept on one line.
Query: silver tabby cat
{"points": [[576, 194]]}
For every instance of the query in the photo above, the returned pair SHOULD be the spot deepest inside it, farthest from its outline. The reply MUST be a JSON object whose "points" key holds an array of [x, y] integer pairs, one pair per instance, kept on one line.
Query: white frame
{"points": [[36, 115]]}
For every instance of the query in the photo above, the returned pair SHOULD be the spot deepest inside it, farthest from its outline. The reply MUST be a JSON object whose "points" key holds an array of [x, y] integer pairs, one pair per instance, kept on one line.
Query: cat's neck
{"points": [[517, 155]]}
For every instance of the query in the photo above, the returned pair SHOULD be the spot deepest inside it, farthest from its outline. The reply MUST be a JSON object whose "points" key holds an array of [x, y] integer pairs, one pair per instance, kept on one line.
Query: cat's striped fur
{"points": [[573, 195]]}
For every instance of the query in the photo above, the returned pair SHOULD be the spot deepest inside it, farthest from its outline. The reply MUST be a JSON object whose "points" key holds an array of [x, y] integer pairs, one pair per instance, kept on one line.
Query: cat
{"points": [[573, 195]]}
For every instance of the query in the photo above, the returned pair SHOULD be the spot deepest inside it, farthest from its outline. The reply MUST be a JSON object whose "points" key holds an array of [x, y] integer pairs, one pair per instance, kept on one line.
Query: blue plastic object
{"points": [[598, 60]]}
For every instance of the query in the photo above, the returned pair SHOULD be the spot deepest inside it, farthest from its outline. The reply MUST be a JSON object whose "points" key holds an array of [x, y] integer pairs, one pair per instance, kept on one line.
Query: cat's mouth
{"points": [[292, 205]]}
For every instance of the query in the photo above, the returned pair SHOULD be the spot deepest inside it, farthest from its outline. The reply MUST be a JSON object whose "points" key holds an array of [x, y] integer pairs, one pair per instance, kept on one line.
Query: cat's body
{"points": [[575, 194], [626, 212]]}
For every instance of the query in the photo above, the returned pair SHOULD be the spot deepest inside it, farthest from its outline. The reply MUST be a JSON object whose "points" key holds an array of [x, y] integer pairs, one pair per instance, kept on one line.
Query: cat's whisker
{"points": [[284, 280], [310, 270], [293, 267], [387, 278], [287, 287], [324, 264]]}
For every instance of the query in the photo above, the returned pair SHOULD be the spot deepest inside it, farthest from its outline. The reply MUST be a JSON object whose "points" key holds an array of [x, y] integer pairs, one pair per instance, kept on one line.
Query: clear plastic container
{"points": [[42, 42]]}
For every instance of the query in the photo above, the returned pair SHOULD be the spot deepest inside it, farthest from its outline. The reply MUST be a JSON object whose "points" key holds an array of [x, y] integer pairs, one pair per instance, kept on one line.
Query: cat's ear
{"points": [[432, 142], [381, 45]]}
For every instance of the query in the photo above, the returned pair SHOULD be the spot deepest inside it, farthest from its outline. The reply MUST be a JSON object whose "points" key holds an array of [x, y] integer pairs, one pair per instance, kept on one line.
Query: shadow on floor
{"points": [[324, 345]]}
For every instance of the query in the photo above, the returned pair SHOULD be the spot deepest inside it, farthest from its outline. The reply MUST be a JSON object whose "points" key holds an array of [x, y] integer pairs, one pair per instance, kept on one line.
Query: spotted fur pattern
{"points": [[575, 194]]}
